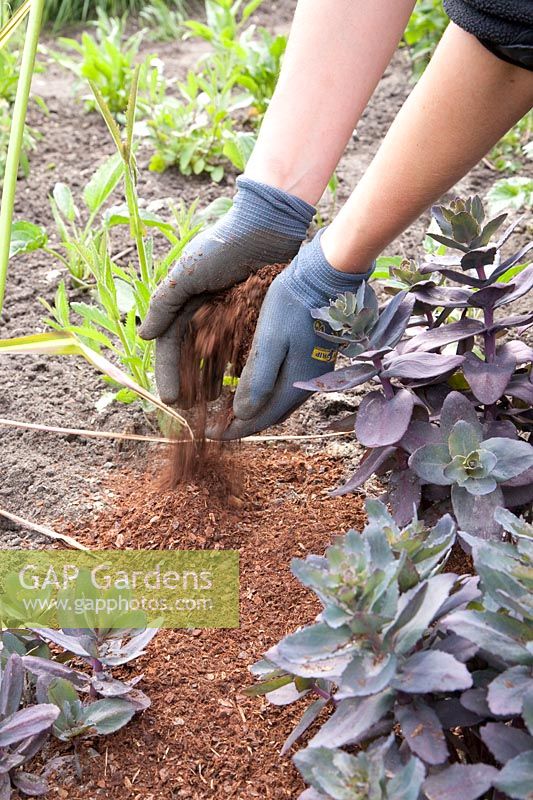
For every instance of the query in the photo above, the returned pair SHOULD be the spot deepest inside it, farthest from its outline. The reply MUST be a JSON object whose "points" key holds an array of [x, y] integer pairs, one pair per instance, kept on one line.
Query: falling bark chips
{"points": [[216, 344]]}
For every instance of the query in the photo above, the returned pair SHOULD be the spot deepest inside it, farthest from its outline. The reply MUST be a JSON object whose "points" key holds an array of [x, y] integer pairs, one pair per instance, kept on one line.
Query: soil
{"points": [[201, 738], [219, 336]]}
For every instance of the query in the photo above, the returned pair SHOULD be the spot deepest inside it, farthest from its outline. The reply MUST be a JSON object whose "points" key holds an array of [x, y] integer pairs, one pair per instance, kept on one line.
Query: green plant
{"points": [[107, 60], [9, 74], [257, 57], [436, 664], [9, 58], [198, 133], [80, 241], [506, 154], [164, 19], [59, 13], [16, 134], [251, 57], [119, 294], [225, 19], [414, 407], [30, 139], [511, 193], [424, 30]]}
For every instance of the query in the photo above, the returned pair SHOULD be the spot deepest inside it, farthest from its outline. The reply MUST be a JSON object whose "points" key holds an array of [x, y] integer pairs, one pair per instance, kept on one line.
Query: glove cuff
{"points": [[265, 207], [313, 280]]}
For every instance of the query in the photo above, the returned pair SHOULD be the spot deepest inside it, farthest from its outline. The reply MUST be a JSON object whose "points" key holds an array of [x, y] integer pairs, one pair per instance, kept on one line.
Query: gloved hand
{"points": [[286, 347], [265, 226]]}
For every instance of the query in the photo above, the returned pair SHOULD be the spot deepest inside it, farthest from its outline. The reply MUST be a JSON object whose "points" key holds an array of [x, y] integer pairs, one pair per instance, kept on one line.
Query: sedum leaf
{"points": [[513, 457], [12, 685], [380, 421], [507, 691], [505, 742], [516, 778], [475, 513], [108, 715], [352, 720], [429, 462], [423, 731], [465, 781], [432, 671], [27, 722]]}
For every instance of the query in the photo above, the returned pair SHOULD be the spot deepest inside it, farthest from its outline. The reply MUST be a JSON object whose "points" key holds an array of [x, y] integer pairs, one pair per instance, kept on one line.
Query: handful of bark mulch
{"points": [[216, 344]]}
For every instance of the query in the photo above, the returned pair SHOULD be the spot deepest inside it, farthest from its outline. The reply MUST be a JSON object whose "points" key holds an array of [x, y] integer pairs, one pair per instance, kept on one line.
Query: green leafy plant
{"points": [[251, 56], [506, 155], [511, 193], [119, 294], [34, 11], [415, 656], [198, 133], [164, 19], [426, 342], [424, 30], [257, 57], [225, 19], [107, 60], [59, 13], [81, 238], [30, 139]]}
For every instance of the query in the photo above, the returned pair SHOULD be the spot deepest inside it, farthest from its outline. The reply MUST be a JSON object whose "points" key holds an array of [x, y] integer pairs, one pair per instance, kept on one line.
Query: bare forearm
{"points": [[336, 54], [465, 101]]}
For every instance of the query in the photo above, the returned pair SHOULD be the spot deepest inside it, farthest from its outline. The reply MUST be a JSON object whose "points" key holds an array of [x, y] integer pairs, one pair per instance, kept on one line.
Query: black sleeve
{"points": [[504, 26]]}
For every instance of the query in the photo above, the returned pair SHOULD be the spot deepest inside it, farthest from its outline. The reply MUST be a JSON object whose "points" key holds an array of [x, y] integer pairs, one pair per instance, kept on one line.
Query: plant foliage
{"points": [[40, 692], [200, 130], [427, 673], [451, 414], [107, 60]]}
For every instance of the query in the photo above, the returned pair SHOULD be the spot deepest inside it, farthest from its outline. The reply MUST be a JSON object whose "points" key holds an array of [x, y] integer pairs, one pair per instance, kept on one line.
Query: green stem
{"points": [[16, 134], [136, 223], [57, 255]]}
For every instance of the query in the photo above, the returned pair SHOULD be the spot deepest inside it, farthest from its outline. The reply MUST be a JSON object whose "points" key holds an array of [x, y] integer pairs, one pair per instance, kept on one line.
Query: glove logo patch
{"points": [[324, 354]]}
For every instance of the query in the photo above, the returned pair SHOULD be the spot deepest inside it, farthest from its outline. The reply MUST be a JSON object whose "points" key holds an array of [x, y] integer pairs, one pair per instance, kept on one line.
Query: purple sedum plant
{"points": [[69, 702], [429, 675], [435, 350], [24, 730]]}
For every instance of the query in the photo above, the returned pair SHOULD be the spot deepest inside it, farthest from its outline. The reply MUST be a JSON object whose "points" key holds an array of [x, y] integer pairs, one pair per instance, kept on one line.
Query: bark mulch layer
{"points": [[202, 738]]}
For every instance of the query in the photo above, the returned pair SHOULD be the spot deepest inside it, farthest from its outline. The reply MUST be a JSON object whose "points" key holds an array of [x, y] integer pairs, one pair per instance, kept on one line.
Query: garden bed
{"points": [[201, 738]]}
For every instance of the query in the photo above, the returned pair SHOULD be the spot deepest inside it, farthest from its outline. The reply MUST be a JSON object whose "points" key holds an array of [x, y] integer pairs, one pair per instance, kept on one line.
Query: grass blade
{"points": [[114, 130]]}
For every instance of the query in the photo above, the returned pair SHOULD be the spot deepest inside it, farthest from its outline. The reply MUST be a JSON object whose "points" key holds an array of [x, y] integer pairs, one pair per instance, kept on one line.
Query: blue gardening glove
{"points": [[286, 347], [265, 226]]}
